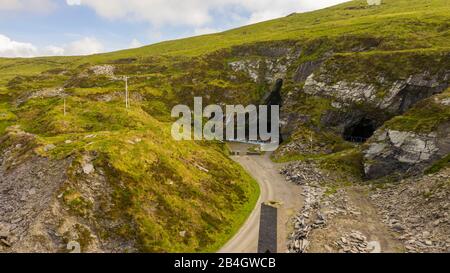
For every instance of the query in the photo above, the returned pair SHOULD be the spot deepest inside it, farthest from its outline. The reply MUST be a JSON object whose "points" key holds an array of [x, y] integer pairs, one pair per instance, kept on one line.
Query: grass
{"points": [[7, 118], [425, 117], [347, 162], [158, 188], [161, 174], [439, 165]]}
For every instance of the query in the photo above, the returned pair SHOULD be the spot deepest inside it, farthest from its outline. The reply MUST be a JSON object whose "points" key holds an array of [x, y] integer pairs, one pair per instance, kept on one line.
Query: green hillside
{"points": [[161, 186]]}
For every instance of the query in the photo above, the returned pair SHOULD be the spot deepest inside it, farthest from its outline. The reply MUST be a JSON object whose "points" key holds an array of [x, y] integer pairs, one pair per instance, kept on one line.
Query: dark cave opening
{"points": [[273, 98], [361, 131]]}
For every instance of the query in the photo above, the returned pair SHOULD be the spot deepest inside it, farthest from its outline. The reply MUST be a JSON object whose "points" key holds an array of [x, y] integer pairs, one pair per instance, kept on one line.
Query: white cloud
{"points": [[262, 10], [73, 2], [53, 51], [205, 30], [135, 43], [197, 13], [84, 46], [10, 48], [40, 6], [192, 16]]}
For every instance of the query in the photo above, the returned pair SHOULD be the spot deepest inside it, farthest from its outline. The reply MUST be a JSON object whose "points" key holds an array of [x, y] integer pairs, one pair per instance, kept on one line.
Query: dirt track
{"points": [[273, 188]]}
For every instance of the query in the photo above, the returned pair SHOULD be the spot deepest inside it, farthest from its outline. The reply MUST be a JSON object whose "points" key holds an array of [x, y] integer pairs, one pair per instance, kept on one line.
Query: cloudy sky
{"points": [[31, 28]]}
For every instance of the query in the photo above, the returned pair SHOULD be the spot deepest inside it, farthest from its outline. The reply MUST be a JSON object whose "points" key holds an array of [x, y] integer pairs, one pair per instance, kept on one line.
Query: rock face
{"points": [[390, 151], [43, 206], [27, 191], [265, 63], [400, 96], [409, 143], [105, 70], [355, 106], [305, 70]]}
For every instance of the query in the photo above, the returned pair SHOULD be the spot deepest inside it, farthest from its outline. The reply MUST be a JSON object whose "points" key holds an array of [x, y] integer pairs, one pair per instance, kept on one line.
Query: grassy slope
{"points": [[211, 206], [405, 24]]}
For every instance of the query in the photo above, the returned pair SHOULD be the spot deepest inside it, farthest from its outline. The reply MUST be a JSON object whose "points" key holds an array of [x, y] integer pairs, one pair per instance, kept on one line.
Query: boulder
{"points": [[389, 151]]}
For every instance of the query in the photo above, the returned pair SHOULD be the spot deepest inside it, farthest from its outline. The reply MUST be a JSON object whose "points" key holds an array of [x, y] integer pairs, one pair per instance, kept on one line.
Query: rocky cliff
{"points": [[361, 96]]}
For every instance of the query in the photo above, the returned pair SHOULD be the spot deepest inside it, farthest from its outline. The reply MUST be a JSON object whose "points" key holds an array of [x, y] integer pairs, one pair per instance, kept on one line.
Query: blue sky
{"points": [[31, 28]]}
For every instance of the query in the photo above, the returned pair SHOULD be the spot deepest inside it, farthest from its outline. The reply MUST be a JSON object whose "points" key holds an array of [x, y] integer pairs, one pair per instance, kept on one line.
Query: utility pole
{"points": [[64, 106], [126, 92]]}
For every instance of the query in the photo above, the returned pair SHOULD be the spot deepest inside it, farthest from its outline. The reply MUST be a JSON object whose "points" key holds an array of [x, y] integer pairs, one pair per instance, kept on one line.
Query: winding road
{"points": [[273, 188]]}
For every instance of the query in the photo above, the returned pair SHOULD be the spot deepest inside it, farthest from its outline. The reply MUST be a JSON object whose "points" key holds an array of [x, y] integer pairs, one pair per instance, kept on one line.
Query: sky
{"points": [[30, 28]]}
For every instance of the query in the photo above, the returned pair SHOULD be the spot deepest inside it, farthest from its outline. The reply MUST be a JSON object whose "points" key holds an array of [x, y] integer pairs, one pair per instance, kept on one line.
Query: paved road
{"points": [[273, 188]]}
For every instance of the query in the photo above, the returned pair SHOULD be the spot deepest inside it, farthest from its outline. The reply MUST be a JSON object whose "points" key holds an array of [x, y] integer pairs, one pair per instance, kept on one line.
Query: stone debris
{"points": [[303, 146], [446, 102], [4, 235], [303, 174], [104, 70], [87, 166], [134, 141], [49, 147], [417, 209], [90, 136], [201, 168], [353, 242], [47, 93], [319, 208], [308, 219]]}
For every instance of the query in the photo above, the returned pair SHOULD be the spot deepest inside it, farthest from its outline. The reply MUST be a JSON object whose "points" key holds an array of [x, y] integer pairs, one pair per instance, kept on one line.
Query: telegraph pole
{"points": [[126, 92]]}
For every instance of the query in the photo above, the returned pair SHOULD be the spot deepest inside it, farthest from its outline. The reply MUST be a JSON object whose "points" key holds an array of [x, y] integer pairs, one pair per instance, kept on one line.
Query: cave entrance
{"points": [[361, 131], [270, 99]]}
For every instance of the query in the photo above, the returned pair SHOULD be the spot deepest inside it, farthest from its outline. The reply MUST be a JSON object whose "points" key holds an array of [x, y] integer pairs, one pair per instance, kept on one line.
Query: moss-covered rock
{"points": [[411, 142]]}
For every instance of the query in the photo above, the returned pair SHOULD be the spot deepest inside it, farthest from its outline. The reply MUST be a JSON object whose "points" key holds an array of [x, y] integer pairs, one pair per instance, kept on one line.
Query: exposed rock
{"points": [[41, 94], [305, 70], [417, 209], [5, 242], [88, 167], [49, 147], [4, 232], [401, 95], [271, 64], [47, 203], [302, 147], [303, 173], [27, 187], [267, 70], [105, 70], [353, 242], [47, 93], [318, 208], [391, 151]]}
